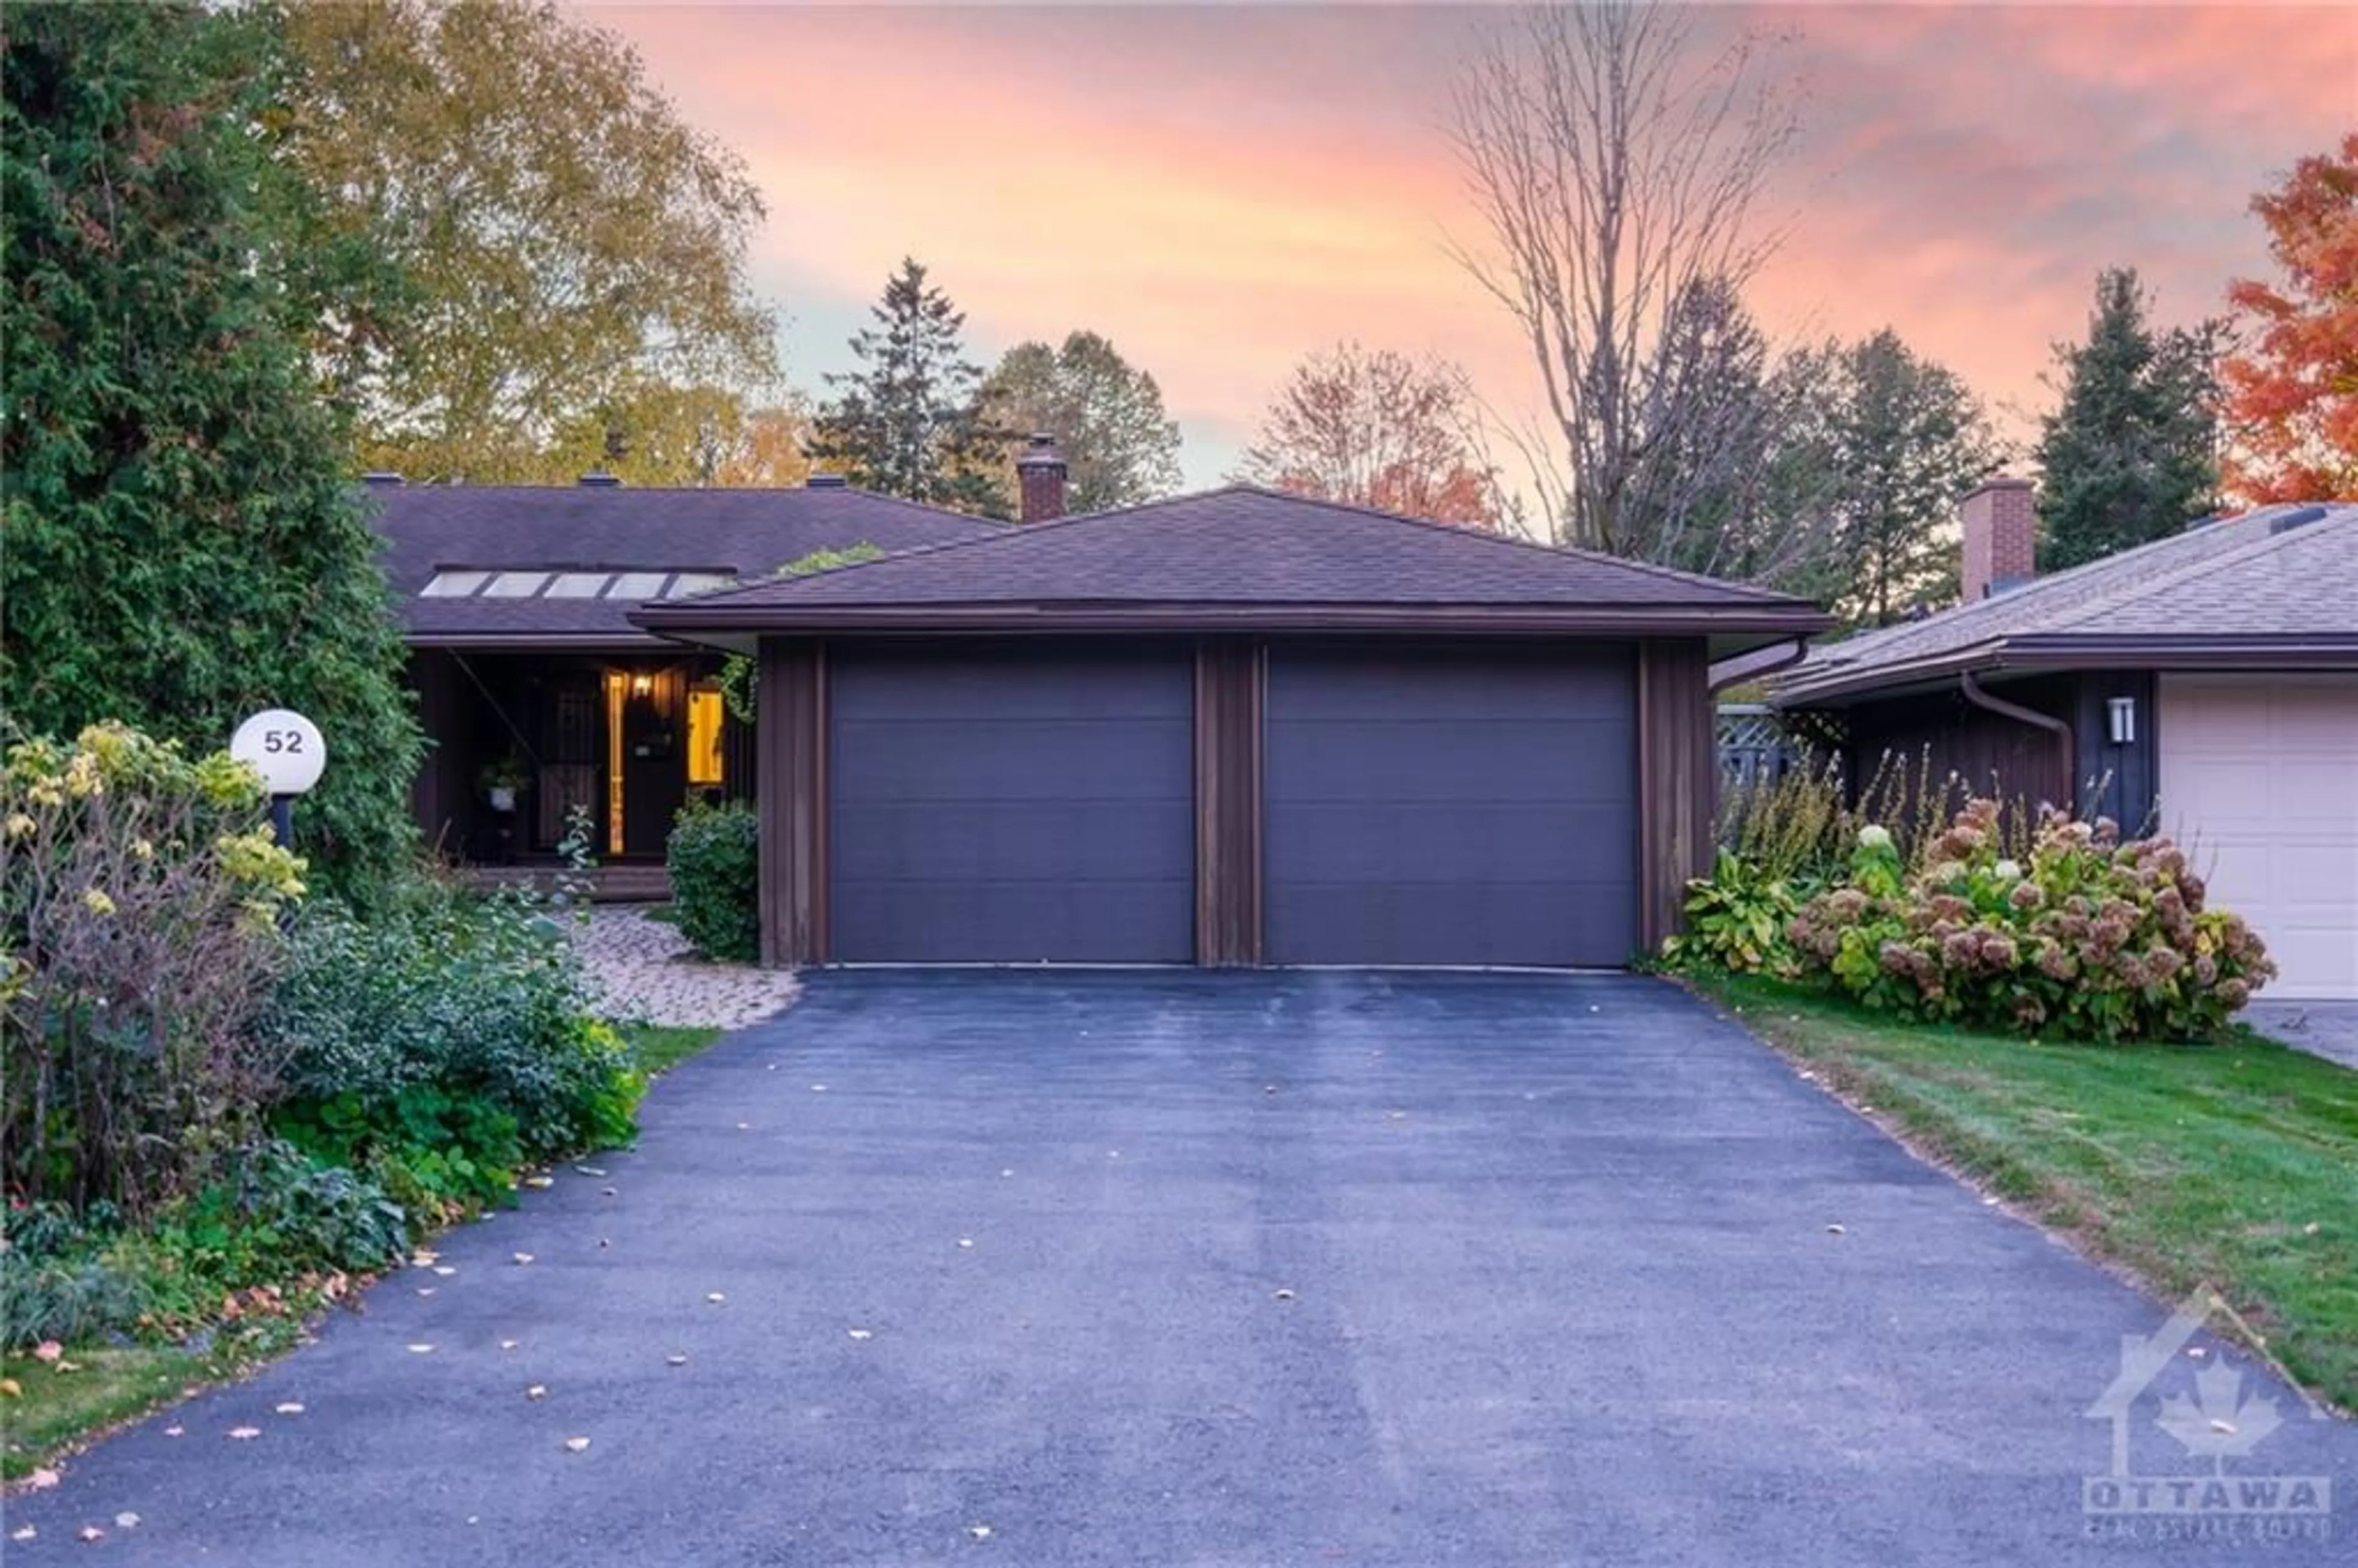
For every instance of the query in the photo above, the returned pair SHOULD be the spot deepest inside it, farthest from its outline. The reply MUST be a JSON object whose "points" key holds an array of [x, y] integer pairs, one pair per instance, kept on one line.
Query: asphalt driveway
{"points": [[1220, 1269]]}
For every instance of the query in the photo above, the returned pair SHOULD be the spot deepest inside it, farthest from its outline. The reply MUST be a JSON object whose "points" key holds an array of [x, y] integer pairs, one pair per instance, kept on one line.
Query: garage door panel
{"points": [[1448, 922], [934, 762], [967, 840], [2257, 780], [1467, 806], [1465, 762], [1011, 805], [944, 921], [1411, 843]]}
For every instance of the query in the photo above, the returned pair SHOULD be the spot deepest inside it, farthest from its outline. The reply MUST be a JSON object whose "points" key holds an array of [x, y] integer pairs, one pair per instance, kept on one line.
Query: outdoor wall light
{"points": [[2120, 719], [641, 685]]}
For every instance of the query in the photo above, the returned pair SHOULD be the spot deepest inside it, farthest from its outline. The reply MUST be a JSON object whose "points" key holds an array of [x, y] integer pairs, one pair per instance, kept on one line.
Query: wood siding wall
{"points": [[2119, 781], [438, 792], [791, 731], [1231, 683], [1989, 753], [1678, 773]]}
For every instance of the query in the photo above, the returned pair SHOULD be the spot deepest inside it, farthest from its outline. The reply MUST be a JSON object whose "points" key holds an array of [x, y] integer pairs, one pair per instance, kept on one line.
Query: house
{"points": [[2205, 683], [538, 693], [1235, 728]]}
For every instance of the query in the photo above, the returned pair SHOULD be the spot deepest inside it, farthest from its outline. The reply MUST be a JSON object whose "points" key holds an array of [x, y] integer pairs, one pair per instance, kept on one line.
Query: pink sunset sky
{"points": [[1222, 188]]}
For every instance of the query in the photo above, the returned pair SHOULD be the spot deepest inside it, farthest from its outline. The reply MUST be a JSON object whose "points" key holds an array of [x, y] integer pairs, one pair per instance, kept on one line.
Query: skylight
{"points": [[542, 582]]}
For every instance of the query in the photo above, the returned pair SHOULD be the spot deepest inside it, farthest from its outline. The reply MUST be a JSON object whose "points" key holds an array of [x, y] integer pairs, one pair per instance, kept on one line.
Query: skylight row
{"points": [[527, 584]]}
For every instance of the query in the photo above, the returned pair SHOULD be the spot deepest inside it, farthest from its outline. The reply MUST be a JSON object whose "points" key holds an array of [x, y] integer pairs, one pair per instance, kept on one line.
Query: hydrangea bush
{"points": [[2087, 938], [140, 893]]}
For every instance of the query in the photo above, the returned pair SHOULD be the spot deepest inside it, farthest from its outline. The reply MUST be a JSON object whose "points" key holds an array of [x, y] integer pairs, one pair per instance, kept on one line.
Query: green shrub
{"points": [[715, 857], [2084, 938], [139, 895], [1737, 920], [274, 1217], [443, 1044]]}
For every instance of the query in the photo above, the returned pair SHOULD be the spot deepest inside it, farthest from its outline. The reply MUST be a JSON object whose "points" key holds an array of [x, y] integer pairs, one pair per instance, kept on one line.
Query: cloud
{"points": [[1221, 190]]}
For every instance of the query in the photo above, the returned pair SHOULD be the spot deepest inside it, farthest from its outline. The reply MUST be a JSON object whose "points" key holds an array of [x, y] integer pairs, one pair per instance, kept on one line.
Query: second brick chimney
{"points": [[1040, 473], [2001, 538]]}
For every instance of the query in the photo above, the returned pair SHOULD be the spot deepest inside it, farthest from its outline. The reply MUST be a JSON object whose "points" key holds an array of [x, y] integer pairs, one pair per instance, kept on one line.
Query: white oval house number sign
{"points": [[283, 747]]}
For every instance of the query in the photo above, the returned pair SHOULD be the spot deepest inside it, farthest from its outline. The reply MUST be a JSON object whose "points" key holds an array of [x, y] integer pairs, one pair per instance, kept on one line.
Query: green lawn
{"points": [[56, 1409], [656, 1047], [2232, 1166]]}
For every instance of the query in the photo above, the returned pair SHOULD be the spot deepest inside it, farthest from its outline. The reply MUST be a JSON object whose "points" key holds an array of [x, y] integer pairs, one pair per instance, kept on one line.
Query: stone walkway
{"points": [[642, 971]]}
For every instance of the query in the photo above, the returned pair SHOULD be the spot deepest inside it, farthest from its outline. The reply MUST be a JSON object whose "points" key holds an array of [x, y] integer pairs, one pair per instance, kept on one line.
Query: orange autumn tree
{"points": [[2292, 392]]}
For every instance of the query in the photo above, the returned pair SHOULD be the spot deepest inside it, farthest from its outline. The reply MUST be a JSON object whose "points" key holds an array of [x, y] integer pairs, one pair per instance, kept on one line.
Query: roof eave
{"points": [[1769, 621], [2080, 651]]}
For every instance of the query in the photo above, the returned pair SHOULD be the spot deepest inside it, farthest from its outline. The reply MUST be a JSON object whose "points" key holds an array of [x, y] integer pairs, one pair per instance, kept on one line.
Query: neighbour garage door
{"points": [[1011, 806], [1451, 806], [2258, 780]]}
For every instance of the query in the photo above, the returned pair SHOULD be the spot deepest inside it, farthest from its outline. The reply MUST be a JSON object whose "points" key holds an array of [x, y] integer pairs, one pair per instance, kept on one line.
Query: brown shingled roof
{"points": [[1242, 556]]}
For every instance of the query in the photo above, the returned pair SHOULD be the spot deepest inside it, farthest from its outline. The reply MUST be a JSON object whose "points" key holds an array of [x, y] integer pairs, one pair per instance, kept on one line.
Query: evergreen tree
{"points": [[181, 547], [2128, 455], [908, 422], [1901, 439]]}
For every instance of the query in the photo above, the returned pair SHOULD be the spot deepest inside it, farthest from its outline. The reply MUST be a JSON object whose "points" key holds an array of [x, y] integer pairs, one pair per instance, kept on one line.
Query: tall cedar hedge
{"points": [[181, 546]]}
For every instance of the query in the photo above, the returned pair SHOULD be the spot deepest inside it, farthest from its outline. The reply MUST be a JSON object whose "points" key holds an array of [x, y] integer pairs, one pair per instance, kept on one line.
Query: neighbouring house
{"points": [[536, 692], [1235, 728], [2205, 683]]}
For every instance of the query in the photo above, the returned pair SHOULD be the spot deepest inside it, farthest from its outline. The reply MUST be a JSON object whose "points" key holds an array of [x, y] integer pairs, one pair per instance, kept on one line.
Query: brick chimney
{"points": [[2001, 538], [1040, 471]]}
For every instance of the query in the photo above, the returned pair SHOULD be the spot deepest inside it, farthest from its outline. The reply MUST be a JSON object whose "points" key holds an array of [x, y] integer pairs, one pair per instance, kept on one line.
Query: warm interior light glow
{"points": [[616, 690], [641, 684], [704, 765]]}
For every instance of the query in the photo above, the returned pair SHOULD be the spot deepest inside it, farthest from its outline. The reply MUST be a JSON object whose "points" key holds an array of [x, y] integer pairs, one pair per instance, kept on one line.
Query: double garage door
{"points": [[1449, 805]]}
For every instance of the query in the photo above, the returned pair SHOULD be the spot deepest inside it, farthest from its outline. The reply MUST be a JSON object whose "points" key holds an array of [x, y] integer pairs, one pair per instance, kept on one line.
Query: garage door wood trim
{"points": [[1677, 777], [1231, 676], [791, 739]]}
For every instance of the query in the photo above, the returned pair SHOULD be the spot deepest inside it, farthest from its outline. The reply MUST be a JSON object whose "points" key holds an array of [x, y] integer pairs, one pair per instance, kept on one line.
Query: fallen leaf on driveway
{"points": [[589, 1170], [537, 1391], [245, 1433], [507, 1343], [1006, 1172], [543, 1180], [979, 1531], [1834, 1230], [23, 1532], [425, 1258], [91, 1532], [48, 1351], [1284, 1295], [966, 1240], [744, 1126], [40, 1480], [421, 1350], [523, 1257], [174, 1431], [674, 1359], [446, 1271], [716, 1297], [425, 1290], [126, 1521], [862, 1333], [576, 1445], [819, 1088], [608, 1193], [291, 1407]]}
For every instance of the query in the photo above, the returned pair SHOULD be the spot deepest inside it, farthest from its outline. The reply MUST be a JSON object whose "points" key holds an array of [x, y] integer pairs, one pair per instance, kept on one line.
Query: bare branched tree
{"points": [[1375, 428], [1620, 168]]}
